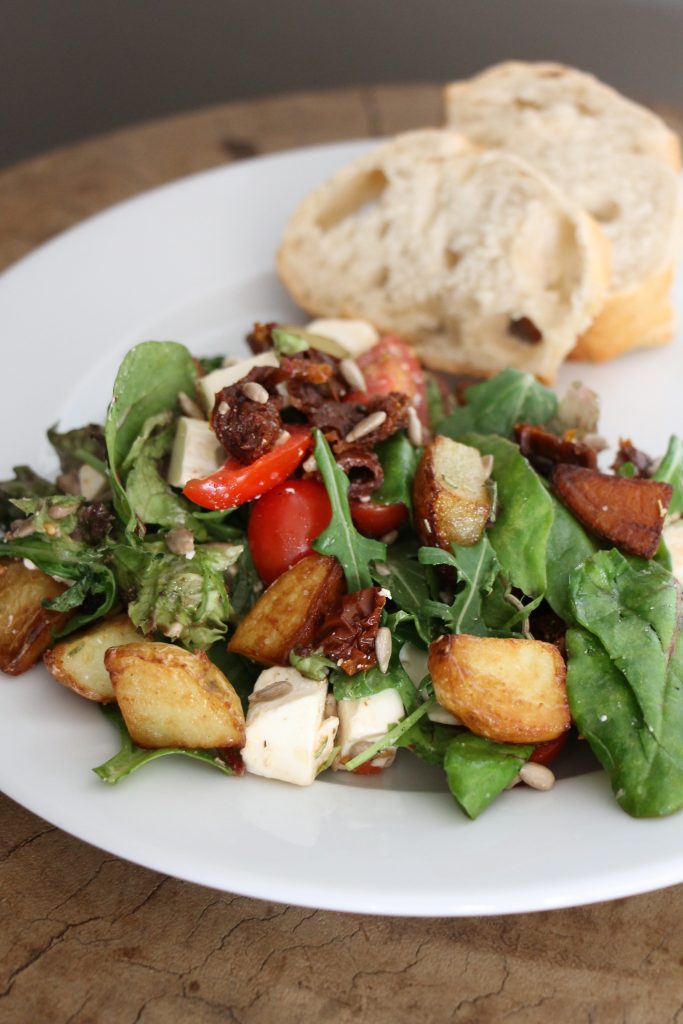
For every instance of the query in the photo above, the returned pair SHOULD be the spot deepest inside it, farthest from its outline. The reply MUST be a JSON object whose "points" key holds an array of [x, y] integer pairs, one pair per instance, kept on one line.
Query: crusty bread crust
{"points": [[641, 318]]}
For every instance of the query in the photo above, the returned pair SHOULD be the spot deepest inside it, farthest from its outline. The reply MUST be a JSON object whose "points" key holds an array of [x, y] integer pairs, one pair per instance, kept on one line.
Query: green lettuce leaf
{"points": [[341, 538], [478, 770], [79, 446], [130, 757], [625, 677], [24, 484], [313, 666], [495, 406]]}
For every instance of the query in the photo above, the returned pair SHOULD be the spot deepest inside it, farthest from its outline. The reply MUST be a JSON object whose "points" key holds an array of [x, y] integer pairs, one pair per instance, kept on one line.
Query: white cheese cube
{"points": [[673, 536], [367, 719], [196, 452], [215, 381], [288, 736], [414, 662], [356, 336]]}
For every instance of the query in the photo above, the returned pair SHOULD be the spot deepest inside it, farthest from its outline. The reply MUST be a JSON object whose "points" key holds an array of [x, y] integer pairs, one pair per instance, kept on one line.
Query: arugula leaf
{"points": [[477, 568], [502, 610], [341, 538], [392, 737], [406, 580], [147, 383], [130, 757], [79, 446], [399, 459], [373, 680], [495, 406], [525, 517], [625, 678], [670, 471], [25, 484], [210, 363], [313, 666], [478, 770]]}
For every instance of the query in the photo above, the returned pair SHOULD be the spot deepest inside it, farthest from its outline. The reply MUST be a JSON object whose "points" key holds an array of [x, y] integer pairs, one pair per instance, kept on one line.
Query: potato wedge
{"points": [[290, 611], [511, 691], [26, 627], [627, 511], [172, 698], [451, 495], [78, 661]]}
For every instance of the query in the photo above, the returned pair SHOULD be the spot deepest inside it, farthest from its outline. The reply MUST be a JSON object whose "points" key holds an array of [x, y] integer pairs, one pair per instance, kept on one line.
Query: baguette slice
{"points": [[614, 157], [475, 258]]}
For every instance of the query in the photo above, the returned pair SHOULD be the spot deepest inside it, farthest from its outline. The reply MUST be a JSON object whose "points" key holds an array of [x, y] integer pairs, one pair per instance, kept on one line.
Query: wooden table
{"points": [[88, 939]]}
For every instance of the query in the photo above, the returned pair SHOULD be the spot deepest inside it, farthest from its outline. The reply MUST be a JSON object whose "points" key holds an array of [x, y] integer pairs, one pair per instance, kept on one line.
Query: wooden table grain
{"points": [[86, 938]]}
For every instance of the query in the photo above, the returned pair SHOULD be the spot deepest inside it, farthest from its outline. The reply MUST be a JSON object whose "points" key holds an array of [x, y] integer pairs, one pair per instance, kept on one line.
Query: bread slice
{"points": [[614, 157], [475, 257]]}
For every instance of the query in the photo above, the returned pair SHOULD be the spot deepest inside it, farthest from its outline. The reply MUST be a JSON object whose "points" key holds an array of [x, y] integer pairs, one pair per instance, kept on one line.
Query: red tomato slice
{"points": [[547, 752], [376, 520], [284, 523], [391, 365], [234, 483]]}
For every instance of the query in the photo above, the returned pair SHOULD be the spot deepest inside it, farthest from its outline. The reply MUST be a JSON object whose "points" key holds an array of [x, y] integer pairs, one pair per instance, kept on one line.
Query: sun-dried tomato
{"points": [[348, 636], [641, 462], [544, 450], [307, 366], [364, 471], [246, 429], [260, 339], [337, 419], [95, 521]]}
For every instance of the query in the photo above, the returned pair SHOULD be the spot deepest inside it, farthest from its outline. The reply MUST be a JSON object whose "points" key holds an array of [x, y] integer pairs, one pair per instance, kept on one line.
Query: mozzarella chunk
{"points": [[196, 452], [673, 536], [366, 720], [215, 381], [288, 736], [414, 662], [356, 336]]}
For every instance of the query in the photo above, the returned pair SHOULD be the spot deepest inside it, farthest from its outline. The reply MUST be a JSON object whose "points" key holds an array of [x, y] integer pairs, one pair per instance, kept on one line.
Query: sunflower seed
{"points": [[223, 409], [61, 511], [352, 374], [383, 647], [24, 528], [180, 541], [366, 426], [280, 688], [382, 569], [537, 776], [487, 465], [283, 436], [390, 537], [255, 392], [415, 431], [310, 465], [189, 407]]}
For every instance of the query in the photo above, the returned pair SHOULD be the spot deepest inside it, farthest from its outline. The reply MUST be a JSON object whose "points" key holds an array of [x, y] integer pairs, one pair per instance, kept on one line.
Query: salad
{"points": [[322, 554]]}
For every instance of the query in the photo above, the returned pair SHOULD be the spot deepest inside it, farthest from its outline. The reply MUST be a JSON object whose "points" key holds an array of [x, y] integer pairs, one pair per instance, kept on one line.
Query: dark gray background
{"points": [[72, 68]]}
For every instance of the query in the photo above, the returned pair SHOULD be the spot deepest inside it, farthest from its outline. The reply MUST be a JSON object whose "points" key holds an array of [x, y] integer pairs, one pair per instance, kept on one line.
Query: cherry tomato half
{"points": [[376, 520], [234, 483], [284, 523], [547, 752]]}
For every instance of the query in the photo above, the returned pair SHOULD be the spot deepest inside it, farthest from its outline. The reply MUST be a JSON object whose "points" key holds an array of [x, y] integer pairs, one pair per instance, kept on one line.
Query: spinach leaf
{"points": [[525, 517], [399, 459], [341, 538], [130, 757], [495, 406], [148, 382], [25, 484], [670, 471], [625, 681], [568, 546], [82, 445], [406, 580], [478, 770], [477, 568], [364, 684], [238, 670], [427, 740]]}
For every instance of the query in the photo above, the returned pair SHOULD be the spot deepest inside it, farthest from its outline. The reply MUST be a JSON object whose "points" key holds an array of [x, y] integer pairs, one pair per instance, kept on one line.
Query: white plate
{"points": [[194, 261]]}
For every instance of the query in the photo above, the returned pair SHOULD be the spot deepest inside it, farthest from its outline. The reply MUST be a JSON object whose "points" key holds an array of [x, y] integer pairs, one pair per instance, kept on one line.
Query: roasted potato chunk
{"points": [[510, 691], [290, 611], [627, 511], [172, 698], [451, 495], [78, 661], [26, 627]]}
